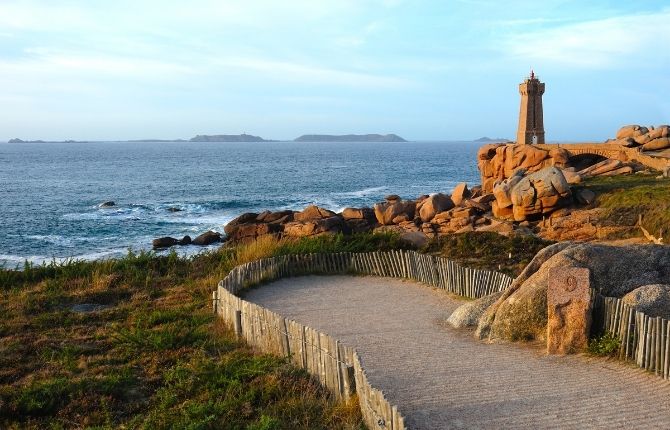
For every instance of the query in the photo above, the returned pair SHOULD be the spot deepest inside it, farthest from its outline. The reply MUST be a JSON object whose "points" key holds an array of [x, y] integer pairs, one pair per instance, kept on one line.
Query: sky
{"points": [[426, 70]]}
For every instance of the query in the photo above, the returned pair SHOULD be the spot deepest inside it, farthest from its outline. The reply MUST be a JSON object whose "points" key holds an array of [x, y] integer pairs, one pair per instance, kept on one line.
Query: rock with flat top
{"points": [[631, 131], [207, 238]]}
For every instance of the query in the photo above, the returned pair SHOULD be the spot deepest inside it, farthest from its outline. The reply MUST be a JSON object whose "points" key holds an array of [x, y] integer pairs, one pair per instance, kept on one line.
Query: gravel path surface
{"points": [[442, 378]]}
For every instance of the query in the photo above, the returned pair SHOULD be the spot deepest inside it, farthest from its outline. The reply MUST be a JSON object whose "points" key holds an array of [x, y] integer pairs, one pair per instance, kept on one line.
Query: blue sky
{"points": [[129, 69]]}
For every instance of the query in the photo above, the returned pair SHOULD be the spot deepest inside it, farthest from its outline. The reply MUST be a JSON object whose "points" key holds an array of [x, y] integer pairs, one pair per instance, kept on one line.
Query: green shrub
{"points": [[605, 345]]}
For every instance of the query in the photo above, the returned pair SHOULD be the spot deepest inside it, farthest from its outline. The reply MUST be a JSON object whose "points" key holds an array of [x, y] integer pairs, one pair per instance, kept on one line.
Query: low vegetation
{"points": [[487, 250], [626, 198], [605, 345], [132, 343]]}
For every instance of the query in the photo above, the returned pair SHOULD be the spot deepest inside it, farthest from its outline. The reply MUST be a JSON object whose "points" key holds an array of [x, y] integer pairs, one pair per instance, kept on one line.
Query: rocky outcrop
{"points": [[251, 225], [653, 300], [521, 312], [167, 242], [468, 314], [497, 162], [207, 238]]}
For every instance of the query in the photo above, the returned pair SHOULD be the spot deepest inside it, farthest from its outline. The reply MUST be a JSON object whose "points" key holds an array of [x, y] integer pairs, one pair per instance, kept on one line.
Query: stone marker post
{"points": [[569, 310]]}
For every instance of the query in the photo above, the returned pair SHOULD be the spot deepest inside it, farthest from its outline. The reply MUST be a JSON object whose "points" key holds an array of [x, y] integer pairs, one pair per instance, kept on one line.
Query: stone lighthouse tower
{"points": [[531, 125]]}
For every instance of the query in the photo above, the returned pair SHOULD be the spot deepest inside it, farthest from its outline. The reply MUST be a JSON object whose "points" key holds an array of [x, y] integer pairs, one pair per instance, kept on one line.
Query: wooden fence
{"points": [[644, 339], [338, 367]]}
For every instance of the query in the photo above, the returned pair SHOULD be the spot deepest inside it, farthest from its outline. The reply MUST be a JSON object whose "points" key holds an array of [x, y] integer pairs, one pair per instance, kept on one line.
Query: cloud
{"points": [[624, 41], [309, 74]]}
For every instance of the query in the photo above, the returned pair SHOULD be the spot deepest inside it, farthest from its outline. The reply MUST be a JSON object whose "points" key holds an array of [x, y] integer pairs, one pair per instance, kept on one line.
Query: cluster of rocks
{"points": [[312, 221], [498, 161], [204, 239], [427, 216], [645, 138]]}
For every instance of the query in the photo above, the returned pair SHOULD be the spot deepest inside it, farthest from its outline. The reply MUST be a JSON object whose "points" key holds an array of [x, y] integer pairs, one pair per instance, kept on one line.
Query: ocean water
{"points": [[50, 192]]}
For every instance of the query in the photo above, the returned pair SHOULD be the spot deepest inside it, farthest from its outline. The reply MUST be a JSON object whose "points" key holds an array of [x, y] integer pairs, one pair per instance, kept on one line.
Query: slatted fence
{"points": [[337, 366], [644, 339]]}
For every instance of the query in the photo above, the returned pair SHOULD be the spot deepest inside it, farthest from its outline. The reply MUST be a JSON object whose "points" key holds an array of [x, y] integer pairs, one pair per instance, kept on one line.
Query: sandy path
{"points": [[442, 378]]}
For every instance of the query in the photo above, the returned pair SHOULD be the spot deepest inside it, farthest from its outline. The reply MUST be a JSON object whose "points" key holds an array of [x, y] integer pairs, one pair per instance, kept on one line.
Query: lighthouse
{"points": [[531, 124]]}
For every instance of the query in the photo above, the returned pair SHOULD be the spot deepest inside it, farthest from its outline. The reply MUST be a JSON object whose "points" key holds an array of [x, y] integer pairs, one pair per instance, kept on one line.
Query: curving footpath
{"points": [[442, 378]]}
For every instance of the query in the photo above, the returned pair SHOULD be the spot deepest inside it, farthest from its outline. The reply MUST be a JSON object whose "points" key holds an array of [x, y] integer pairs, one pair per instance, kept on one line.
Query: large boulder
{"points": [[468, 314], [631, 131], [356, 213], [164, 242], [389, 210], [433, 205], [207, 238], [652, 300], [502, 190], [521, 312], [656, 144], [313, 212], [245, 218], [460, 193], [660, 131], [314, 227]]}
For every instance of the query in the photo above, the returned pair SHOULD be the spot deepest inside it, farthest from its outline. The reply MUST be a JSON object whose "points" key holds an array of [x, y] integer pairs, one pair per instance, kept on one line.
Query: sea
{"points": [[50, 193]]}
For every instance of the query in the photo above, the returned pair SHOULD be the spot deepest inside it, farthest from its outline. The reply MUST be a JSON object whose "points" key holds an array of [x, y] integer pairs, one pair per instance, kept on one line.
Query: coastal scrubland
{"points": [[133, 343]]}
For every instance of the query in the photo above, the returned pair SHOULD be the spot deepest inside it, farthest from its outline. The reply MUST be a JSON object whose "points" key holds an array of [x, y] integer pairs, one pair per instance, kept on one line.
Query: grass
{"points": [[625, 198], [606, 345], [154, 356], [488, 250]]}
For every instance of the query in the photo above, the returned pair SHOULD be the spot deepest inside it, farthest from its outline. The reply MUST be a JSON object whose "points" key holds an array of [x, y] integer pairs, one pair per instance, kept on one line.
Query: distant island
{"points": [[228, 138], [488, 139], [350, 138], [249, 138], [17, 140]]}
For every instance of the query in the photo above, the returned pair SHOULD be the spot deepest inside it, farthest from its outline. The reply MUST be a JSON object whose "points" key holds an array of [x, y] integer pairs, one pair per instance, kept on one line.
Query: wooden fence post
{"points": [[238, 324]]}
